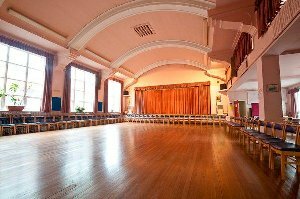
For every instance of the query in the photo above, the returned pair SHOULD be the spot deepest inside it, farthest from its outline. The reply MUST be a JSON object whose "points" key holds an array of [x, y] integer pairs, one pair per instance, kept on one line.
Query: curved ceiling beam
{"points": [[170, 62], [159, 44], [196, 7]]}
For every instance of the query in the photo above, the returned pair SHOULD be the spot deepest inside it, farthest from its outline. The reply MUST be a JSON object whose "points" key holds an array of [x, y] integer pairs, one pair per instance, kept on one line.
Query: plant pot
{"points": [[15, 108]]}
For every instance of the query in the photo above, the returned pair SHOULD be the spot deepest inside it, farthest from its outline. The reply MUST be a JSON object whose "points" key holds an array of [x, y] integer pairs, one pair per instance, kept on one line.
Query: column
{"points": [[269, 88]]}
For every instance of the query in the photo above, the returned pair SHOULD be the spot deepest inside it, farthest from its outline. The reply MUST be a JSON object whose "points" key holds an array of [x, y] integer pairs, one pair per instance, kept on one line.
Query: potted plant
{"points": [[16, 100], [79, 109]]}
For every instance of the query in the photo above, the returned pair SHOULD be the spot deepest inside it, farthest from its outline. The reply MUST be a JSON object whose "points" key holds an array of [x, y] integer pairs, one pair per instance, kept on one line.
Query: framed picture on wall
{"points": [[272, 88]]}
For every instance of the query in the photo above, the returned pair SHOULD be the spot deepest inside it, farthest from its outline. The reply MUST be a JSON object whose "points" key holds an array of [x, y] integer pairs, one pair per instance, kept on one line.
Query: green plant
{"points": [[79, 109], [16, 100]]}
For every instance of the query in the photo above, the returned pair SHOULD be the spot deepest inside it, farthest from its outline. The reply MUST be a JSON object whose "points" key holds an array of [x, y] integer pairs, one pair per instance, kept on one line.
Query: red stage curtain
{"points": [[66, 101], [191, 98], [242, 49]]}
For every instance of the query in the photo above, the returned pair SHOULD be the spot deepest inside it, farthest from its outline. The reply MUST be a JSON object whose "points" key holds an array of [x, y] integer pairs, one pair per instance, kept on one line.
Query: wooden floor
{"points": [[131, 160]]}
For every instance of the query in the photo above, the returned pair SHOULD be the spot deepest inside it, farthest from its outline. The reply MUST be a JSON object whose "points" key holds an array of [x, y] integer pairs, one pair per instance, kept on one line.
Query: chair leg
{"points": [[261, 150], [298, 164], [283, 166], [271, 159]]}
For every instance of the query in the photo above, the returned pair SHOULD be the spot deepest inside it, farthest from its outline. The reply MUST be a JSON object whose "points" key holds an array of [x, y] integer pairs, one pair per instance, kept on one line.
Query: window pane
{"points": [[80, 74], [78, 103], [73, 71], [79, 85], [2, 69], [33, 104], [37, 62], [88, 107], [35, 90], [9, 102], [89, 97], [20, 90], [16, 72], [114, 96], [1, 83], [36, 76], [72, 94], [79, 95], [3, 52], [17, 56]]}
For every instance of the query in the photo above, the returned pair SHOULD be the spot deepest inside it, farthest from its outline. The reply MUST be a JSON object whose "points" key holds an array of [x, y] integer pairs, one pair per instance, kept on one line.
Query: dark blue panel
{"points": [[56, 104], [100, 106]]}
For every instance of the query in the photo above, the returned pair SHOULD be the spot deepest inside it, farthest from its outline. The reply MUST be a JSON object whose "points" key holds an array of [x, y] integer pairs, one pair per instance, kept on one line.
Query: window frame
{"points": [[73, 89], [121, 94], [26, 82]]}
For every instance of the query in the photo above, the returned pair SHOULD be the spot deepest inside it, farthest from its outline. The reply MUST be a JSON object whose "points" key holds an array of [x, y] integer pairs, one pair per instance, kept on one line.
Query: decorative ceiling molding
{"points": [[35, 24], [214, 76], [125, 72], [105, 61], [108, 18], [131, 83], [230, 25], [170, 62], [159, 44]]}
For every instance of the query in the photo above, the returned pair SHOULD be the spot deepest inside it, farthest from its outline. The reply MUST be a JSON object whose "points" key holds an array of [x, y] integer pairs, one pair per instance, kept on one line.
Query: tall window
{"points": [[114, 96], [297, 100], [25, 69], [82, 89]]}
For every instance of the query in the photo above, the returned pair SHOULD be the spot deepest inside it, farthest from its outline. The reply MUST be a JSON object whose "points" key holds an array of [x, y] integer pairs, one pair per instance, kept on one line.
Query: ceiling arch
{"points": [[196, 7], [170, 62], [159, 44]]}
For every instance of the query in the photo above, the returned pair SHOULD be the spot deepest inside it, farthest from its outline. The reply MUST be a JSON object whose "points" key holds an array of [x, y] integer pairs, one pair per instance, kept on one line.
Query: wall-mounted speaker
{"points": [[223, 86], [125, 93]]}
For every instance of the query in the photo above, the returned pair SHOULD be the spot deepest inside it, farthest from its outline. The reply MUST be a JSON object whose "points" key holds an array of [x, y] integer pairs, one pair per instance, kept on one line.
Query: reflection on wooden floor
{"points": [[132, 160]]}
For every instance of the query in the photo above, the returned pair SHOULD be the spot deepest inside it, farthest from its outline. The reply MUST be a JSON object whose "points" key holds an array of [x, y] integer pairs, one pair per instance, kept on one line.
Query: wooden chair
{"points": [[33, 127], [235, 126], [289, 151], [267, 138], [69, 123], [41, 121], [21, 126], [6, 127], [60, 123]]}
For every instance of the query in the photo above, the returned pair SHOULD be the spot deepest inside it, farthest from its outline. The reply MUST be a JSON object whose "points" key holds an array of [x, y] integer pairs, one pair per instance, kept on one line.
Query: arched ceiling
{"points": [[106, 32]]}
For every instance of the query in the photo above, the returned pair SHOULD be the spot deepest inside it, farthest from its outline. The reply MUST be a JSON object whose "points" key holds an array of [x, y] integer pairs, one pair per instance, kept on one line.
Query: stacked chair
{"points": [[22, 123]]}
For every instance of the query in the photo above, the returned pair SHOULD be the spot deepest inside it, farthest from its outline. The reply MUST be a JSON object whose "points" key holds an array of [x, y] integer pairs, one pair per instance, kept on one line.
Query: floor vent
{"points": [[144, 30]]}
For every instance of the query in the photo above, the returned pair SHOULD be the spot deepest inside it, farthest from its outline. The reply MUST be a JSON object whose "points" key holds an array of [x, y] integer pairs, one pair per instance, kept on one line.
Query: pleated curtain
{"points": [[194, 99]]}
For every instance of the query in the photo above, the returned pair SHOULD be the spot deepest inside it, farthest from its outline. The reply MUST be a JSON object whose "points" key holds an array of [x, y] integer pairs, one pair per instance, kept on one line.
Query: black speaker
{"points": [[223, 86], [125, 93]]}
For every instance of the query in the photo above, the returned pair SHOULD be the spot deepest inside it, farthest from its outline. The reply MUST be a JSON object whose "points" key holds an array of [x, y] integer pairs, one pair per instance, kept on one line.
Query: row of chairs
{"points": [[176, 119], [21, 124], [278, 139]]}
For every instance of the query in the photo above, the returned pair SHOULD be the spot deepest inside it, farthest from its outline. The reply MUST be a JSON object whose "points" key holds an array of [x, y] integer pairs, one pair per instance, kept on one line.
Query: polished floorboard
{"points": [[130, 160]]}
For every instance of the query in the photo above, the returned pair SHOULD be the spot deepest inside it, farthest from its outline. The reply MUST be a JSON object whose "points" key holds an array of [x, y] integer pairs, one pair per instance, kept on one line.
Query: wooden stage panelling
{"points": [[132, 160]]}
